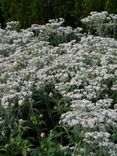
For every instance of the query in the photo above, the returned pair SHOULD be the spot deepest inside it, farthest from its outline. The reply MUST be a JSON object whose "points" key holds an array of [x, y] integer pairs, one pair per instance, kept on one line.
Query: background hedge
{"points": [[39, 11]]}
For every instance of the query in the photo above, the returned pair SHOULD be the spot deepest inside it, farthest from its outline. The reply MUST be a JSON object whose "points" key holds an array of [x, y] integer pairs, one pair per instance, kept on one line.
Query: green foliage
{"points": [[17, 10], [92, 5], [33, 126], [37, 10], [77, 11], [56, 39], [40, 11], [63, 9], [111, 6]]}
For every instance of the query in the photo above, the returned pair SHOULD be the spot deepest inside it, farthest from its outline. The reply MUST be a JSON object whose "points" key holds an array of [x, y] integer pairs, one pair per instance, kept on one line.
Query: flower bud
{"points": [[50, 94], [42, 135]]}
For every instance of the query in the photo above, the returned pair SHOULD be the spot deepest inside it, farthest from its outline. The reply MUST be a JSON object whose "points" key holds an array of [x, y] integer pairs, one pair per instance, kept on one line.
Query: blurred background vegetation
{"points": [[39, 11]]}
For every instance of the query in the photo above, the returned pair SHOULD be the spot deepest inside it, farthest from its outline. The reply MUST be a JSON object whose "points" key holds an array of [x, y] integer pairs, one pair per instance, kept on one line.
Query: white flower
{"points": [[42, 135], [21, 102], [21, 121]]}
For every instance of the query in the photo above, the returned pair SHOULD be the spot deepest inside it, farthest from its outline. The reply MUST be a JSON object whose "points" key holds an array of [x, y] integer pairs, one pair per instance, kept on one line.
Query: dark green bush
{"points": [[40, 11]]}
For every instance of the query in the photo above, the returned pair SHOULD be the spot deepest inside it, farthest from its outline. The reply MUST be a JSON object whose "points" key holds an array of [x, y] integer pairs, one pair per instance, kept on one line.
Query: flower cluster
{"points": [[81, 67], [101, 23]]}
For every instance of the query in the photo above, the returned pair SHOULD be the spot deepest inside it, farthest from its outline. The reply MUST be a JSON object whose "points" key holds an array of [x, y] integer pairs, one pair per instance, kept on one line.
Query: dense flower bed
{"points": [[82, 67]]}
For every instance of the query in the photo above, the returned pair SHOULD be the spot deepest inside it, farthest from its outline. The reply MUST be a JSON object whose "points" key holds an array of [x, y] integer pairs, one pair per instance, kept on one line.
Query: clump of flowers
{"points": [[102, 24], [76, 114], [13, 25]]}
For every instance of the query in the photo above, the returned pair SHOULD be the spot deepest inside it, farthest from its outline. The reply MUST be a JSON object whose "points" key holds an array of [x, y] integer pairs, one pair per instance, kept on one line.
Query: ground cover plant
{"points": [[58, 88]]}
